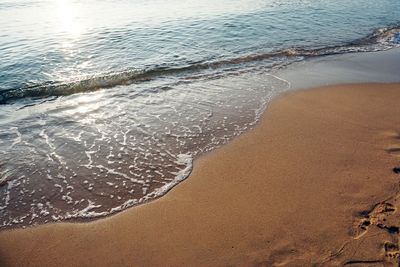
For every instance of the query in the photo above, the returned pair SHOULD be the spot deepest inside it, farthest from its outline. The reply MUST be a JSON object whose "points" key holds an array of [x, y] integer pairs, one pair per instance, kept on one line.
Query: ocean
{"points": [[105, 104]]}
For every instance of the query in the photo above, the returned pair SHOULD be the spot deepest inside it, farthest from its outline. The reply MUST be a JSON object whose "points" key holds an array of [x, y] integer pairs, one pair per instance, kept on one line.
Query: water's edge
{"points": [[293, 75], [379, 40]]}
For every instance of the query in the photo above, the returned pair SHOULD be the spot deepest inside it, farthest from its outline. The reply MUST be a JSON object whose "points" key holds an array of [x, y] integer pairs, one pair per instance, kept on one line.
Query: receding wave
{"points": [[380, 39]]}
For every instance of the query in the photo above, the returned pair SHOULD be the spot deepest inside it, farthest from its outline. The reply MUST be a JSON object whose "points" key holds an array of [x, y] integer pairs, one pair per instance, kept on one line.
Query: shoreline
{"points": [[320, 162], [78, 203], [350, 68]]}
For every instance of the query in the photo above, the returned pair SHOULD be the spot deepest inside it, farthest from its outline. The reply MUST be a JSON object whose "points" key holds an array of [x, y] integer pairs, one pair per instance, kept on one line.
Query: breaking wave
{"points": [[380, 39]]}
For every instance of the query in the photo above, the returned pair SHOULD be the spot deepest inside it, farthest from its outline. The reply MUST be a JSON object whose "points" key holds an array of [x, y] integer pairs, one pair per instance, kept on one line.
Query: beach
{"points": [[199, 133], [313, 184], [105, 107]]}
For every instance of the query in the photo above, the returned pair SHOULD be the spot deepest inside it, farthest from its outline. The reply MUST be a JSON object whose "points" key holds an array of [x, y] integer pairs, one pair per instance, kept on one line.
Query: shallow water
{"points": [[94, 154], [105, 104]]}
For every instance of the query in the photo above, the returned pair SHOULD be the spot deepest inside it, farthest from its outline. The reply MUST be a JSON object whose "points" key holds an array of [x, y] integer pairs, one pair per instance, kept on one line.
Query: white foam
{"points": [[18, 139], [138, 156], [59, 187], [10, 185], [185, 160], [44, 135]]}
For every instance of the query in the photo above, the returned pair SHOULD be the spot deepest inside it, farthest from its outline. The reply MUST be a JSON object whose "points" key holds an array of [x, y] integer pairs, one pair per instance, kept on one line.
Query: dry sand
{"points": [[313, 184]]}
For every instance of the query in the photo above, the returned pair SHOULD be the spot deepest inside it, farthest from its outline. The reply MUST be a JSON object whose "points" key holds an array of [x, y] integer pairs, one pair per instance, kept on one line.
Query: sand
{"points": [[363, 67], [313, 184]]}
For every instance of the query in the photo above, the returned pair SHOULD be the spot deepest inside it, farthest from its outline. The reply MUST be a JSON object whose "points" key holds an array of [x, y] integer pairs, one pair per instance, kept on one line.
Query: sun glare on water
{"points": [[67, 15]]}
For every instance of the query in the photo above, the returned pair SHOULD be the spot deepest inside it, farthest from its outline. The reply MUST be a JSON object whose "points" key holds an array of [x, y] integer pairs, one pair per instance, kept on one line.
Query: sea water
{"points": [[104, 104]]}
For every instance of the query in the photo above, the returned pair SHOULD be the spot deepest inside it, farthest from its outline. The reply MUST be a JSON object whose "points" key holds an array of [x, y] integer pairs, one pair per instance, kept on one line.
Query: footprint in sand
{"points": [[392, 250], [383, 216], [394, 151], [377, 217]]}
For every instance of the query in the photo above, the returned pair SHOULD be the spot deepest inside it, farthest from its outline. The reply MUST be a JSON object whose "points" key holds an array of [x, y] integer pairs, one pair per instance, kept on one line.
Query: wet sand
{"points": [[314, 183]]}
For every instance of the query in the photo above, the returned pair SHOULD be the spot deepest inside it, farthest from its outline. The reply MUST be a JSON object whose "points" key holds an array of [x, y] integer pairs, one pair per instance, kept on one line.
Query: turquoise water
{"points": [[104, 104]]}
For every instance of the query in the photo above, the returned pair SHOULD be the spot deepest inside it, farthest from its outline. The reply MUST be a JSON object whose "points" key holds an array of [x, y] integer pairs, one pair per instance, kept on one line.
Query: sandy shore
{"points": [[313, 184]]}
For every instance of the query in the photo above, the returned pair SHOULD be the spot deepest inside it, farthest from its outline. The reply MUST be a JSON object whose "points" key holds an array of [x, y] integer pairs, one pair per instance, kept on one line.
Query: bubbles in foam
{"points": [[86, 156]]}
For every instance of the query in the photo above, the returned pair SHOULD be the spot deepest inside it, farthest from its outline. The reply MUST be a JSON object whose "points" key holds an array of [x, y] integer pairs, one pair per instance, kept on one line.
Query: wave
{"points": [[380, 39]]}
